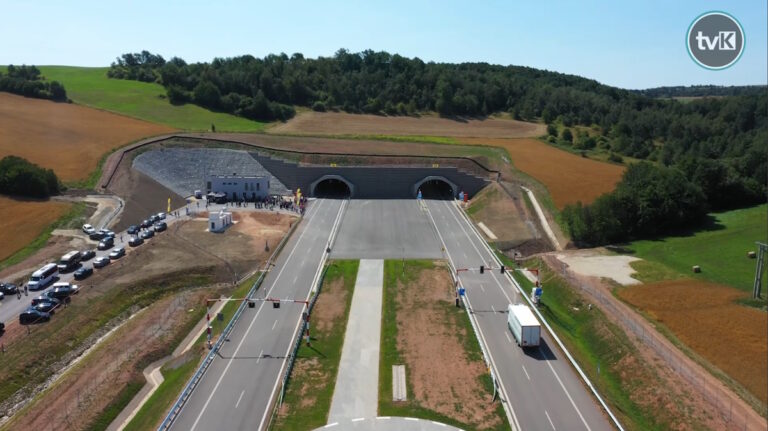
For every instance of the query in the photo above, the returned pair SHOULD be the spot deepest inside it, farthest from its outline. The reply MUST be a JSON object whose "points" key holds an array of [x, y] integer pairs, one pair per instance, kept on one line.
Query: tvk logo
{"points": [[715, 40]]}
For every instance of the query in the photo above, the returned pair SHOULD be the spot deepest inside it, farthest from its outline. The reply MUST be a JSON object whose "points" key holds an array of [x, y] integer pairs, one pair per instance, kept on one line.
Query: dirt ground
{"points": [[706, 318], [24, 220], [68, 138], [506, 216], [243, 244], [568, 177], [339, 123], [597, 263], [430, 351]]}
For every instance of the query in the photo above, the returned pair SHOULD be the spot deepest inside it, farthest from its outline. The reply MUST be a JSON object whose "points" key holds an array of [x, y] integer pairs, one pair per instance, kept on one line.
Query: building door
{"points": [[213, 226]]}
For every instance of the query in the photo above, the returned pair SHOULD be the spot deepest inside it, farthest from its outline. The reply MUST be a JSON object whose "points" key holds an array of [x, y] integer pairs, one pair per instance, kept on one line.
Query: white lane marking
{"points": [[508, 408], [525, 371], [569, 396], [482, 288], [438, 423], [493, 309], [261, 353], [507, 335], [550, 420], [358, 419], [239, 398], [248, 330], [411, 419], [295, 278], [320, 264], [274, 324], [331, 425]]}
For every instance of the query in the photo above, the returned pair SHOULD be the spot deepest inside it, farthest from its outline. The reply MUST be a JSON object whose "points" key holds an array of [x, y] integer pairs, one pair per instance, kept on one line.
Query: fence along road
{"points": [[233, 393], [541, 389]]}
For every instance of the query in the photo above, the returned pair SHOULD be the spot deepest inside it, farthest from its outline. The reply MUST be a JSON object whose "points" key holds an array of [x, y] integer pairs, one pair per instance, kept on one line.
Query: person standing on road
{"points": [[26, 290]]}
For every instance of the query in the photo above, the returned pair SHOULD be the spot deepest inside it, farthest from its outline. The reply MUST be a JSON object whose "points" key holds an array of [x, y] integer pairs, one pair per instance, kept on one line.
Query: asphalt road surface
{"points": [[386, 229], [238, 388], [542, 390]]}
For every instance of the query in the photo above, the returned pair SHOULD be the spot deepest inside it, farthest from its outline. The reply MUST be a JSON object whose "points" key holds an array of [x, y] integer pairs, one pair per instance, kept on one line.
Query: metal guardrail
{"points": [[560, 344], [192, 384]]}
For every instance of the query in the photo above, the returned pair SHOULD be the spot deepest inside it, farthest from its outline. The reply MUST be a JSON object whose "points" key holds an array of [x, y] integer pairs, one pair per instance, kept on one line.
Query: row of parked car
{"points": [[44, 306]]}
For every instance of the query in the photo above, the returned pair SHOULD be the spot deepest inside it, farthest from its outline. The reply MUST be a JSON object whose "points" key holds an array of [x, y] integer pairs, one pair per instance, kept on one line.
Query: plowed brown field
{"points": [[70, 139], [568, 177], [705, 317], [337, 123], [22, 221]]}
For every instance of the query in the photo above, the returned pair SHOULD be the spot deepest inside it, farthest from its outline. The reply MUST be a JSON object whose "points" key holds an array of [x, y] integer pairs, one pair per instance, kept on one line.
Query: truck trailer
{"points": [[524, 326]]}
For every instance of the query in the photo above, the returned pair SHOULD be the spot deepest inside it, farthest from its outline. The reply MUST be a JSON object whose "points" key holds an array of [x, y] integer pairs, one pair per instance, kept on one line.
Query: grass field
{"points": [[568, 178], [422, 329], [26, 225], [67, 138], [336, 123], [90, 86], [720, 250], [309, 392]]}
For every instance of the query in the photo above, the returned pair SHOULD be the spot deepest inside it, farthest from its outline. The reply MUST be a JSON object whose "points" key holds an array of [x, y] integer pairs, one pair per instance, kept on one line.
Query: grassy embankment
{"points": [[147, 101]]}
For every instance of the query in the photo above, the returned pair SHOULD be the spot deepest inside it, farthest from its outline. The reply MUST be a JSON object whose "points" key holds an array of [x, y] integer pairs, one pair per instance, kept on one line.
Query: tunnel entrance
{"points": [[436, 188], [332, 188]]}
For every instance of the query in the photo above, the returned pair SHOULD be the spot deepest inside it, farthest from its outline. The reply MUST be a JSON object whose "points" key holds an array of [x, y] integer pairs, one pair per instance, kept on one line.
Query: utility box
{"points": [[524, 326]]}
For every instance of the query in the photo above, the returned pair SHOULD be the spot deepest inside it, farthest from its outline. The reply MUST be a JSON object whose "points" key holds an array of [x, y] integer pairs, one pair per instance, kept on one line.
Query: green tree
{"points": [[567, 135]]}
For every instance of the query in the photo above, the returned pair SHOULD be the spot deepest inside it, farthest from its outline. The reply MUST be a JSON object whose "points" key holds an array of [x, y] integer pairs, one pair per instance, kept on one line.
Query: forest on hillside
{"points": [[718, 144], [27, 81]]}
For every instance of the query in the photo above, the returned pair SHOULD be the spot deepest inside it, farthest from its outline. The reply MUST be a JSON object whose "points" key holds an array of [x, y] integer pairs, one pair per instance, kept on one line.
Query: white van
{"points": [[42, 277]]}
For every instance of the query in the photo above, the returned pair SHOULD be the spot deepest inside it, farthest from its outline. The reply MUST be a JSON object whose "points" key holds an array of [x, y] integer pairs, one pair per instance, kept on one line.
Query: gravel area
{"points": [[184, 170]]}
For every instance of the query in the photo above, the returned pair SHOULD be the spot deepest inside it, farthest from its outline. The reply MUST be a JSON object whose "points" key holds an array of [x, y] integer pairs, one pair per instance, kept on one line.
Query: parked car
{"points": [[106, 243], [132, 229], [61, 293], [2, 327], [107, 233], [146, 223], [160, 226], [88, 228], [46, 306], [31, 316], [117, 253], [135, 241], [154, 218], [43, 298], [160, 216], [147, 234], [96, 236], [8, 288], [88, 254], [83, 273], [2, 296], [101, 262]]}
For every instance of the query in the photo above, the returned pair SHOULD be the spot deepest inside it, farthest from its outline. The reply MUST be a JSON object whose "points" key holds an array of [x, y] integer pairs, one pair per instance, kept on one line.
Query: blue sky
{"points": [[635, 44]]}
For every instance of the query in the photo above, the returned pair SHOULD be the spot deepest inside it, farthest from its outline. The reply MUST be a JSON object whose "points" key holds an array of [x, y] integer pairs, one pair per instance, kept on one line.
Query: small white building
{"points": [[219, 221], [239, 187]]}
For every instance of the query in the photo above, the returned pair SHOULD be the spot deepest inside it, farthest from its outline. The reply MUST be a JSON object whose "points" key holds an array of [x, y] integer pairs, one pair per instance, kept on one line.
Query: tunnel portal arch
{"points": [[435, 180], [328, 186]]}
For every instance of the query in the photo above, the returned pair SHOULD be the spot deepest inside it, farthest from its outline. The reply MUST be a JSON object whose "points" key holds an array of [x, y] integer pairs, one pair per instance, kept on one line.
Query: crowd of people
{"points": [[270, 203]]}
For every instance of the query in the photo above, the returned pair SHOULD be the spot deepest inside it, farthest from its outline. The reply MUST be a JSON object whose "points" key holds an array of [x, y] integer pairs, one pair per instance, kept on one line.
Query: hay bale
{"points": [[696, 269], [751, 254]]}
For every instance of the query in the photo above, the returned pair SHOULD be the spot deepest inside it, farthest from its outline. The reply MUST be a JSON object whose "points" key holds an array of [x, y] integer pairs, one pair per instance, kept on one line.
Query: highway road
{"points": [[240, 385], [542, 390]]}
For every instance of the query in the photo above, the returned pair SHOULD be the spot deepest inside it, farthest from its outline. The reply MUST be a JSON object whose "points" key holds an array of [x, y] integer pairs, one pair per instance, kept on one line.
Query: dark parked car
{"points": [[83, 273], [101, 262], [160, 226], [147, 234], [60, 293], [146, 223], [106, 243], [135, 241], [160, 216], [8, 288], [154, 217], [46, 306], [132, 229], [87, 255], [2, 327], [96, 236], [117, 253], [31, 316], [43, 298]]}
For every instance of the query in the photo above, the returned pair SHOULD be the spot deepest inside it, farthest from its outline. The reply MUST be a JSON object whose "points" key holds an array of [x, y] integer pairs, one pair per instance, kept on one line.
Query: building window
{"points": [[257, 186], [209, 186]]}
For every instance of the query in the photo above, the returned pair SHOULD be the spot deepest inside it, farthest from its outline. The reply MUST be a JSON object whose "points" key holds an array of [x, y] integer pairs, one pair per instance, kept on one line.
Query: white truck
{"points": [[524, 326]]}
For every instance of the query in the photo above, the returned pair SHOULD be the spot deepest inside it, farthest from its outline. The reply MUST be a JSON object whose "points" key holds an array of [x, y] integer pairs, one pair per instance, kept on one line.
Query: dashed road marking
{"points": [[239, 398], [274, 324], [550, 420], [525, 371], [260, 355]]}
